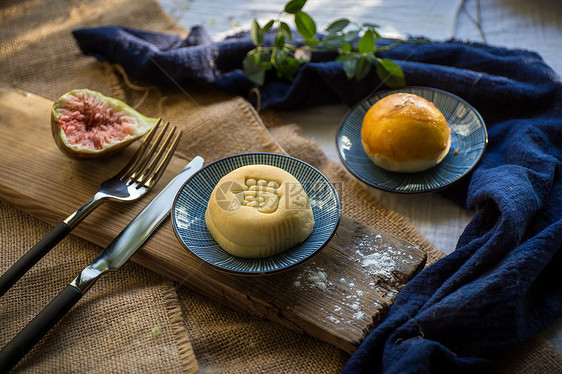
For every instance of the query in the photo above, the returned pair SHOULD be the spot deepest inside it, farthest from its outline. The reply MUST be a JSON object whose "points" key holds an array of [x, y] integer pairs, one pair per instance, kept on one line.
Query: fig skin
{"points": [[142, 125]]}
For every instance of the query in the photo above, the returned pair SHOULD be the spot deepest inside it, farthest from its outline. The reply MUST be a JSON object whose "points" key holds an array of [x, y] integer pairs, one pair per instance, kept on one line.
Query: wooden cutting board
{"points": [[337, 296]]}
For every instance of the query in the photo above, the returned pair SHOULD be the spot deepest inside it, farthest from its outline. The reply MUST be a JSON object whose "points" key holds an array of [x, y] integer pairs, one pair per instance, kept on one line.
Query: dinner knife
{"points": [[111, 258]]}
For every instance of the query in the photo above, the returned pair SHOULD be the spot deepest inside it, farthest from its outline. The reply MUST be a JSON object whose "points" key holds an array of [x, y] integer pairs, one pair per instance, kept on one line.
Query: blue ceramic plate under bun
{"points": [[188, 214], [468, 142]]}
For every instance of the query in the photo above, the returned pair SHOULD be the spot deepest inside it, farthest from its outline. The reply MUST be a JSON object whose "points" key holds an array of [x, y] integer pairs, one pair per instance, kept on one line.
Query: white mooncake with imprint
{"points": [[258, 211]]}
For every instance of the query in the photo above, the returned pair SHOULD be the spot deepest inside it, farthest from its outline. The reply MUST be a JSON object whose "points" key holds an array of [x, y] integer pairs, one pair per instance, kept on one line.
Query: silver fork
{"points": [[140, 174]]}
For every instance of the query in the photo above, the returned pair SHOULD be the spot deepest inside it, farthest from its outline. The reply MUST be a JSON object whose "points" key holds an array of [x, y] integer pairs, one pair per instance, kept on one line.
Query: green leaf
{"points": [[311, 42], [279, 42], [390, 73], [286, 31], [362, 68], [370, 57], [294, 6], [305, 25], [289, 68], [370, 25], [256, 33], [268, 25], [367, 42], [346, 47], [254, 69], [350, 36], [337, 25], [332, 41], [349, 66], [278, 57]]}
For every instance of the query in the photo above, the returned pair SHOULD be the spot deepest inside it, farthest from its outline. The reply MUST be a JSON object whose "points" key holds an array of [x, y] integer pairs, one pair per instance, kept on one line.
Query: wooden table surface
{"points": [[534, 25]]}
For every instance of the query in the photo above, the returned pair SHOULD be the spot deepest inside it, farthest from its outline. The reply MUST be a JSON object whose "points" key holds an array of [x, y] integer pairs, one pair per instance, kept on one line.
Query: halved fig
{"points": [[87, 124]]}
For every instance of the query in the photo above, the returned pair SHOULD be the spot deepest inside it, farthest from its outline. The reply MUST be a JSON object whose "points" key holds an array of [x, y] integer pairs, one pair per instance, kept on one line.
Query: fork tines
{"points": [[152, 157]]}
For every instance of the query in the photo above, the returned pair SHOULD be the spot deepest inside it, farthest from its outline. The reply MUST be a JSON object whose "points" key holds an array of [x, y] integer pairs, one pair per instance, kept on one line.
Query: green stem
{"points": [[388, 47]]}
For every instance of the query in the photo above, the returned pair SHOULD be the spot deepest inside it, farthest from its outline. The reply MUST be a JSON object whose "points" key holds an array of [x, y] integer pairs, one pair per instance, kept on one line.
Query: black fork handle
{"points": [[31, 334], [31, 257]]}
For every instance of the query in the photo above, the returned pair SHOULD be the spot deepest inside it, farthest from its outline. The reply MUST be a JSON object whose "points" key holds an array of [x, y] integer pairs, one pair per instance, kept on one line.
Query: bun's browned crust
{"points": [[405, 133]]}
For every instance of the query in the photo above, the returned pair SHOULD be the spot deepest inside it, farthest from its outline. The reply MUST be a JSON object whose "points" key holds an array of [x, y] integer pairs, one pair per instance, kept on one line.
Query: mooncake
{"points": [[258, 211]]}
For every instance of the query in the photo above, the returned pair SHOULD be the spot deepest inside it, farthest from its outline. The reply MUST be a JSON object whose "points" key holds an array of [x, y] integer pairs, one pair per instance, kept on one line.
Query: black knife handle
{"points": [[22, 343], [33, 256]]}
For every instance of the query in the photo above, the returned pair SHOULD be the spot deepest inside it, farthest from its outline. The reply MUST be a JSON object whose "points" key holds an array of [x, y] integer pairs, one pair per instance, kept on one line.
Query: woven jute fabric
{"points": [[134, 320], [130, 321], [535, 356]]}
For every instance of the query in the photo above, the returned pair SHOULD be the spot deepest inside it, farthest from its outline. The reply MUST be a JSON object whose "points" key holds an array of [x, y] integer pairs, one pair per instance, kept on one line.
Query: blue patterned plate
{"points": [[188, 214], [468, 142]]}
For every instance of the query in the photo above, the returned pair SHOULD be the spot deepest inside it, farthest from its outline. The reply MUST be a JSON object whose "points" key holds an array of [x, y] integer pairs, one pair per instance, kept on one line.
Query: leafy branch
{"points": [[355, 44]]}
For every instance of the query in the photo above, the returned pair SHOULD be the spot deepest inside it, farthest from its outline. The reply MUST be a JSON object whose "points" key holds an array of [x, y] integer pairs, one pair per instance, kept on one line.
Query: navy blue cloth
{"points": [[502, 284]]}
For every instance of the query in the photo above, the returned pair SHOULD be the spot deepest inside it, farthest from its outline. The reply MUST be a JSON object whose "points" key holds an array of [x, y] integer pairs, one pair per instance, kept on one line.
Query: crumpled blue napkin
{"points": [[502, 284]]}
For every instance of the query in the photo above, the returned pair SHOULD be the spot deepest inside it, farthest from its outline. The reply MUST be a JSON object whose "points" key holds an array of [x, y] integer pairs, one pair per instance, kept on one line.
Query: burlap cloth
{"points": [[136, 320]]}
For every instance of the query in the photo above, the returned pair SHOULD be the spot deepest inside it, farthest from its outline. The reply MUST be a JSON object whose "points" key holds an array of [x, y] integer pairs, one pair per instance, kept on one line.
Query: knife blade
{"points": [[110, 258]]}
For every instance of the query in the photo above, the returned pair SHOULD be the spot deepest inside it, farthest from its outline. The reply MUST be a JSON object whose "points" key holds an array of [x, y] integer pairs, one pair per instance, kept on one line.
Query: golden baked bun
{"points": [[258, 211], [405, 133]]}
